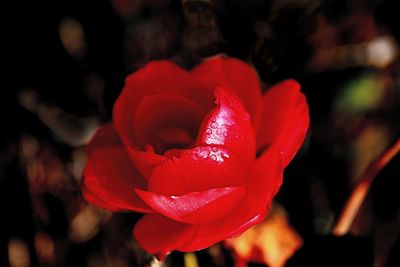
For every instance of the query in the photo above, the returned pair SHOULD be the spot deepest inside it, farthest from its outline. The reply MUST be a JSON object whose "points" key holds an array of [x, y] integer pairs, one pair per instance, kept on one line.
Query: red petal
{"points": [[293, 141], [159, 235], [195, 207], [153, 232], [163, 113], [228, 125], [109, 178], [91, 198], [156, 77], [209, 234], [263, 183], [235, 74], [145, 161], [267, 173], [196, 170], [285, 119]]}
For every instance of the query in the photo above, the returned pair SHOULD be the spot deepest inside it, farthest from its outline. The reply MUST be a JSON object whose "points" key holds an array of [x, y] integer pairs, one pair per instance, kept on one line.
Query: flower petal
{"points": [[109, 178], [156, 77], [293, 141], [195, 207], [91, 198], [228, 125], [209, 234], [235, 74], [165, 120], [268, 174], [263, 182], [198, 169], [145, 161], [225, 149], [159, 235], [285, 119]]}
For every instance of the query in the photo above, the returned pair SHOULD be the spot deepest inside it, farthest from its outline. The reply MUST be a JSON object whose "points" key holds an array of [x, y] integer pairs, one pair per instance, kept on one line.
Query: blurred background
{"points": [[65, 63]]}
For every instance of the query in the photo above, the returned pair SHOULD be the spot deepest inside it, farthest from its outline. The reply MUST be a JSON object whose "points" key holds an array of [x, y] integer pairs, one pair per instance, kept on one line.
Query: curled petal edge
{"points": [[195, 207]]}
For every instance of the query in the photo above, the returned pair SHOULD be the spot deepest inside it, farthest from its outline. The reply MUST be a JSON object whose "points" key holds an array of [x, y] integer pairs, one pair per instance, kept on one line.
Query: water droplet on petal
{"points": [[208, 131], [214, 125], [214, 149], [204, 154], [213, 157], [219, 131]]}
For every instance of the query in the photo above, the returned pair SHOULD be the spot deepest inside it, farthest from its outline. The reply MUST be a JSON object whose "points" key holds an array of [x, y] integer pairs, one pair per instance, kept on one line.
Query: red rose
{"points": [[182, 149]]}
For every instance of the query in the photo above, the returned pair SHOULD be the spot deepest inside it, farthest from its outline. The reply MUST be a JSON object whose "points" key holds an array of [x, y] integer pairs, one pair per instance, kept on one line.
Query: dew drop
{"points": [[219, 131], [214, 149], [214, 125], [208, 131], [213, 157], [204, 154]]}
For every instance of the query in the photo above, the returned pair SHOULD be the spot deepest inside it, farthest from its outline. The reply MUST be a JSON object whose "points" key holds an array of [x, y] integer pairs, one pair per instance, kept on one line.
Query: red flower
{"points": [[182, 149]]}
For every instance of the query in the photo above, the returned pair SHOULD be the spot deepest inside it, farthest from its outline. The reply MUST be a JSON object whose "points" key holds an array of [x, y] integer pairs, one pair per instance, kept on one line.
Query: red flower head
{"points": [[182, 149]]}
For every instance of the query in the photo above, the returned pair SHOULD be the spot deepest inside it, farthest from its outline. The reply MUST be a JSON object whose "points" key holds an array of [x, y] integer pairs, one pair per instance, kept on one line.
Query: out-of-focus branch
{"points": [[68, 128], [361, 189]]}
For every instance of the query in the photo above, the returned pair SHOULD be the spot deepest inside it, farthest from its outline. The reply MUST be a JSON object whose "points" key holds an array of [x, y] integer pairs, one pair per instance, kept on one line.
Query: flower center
{"points": [[171, 138]]}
